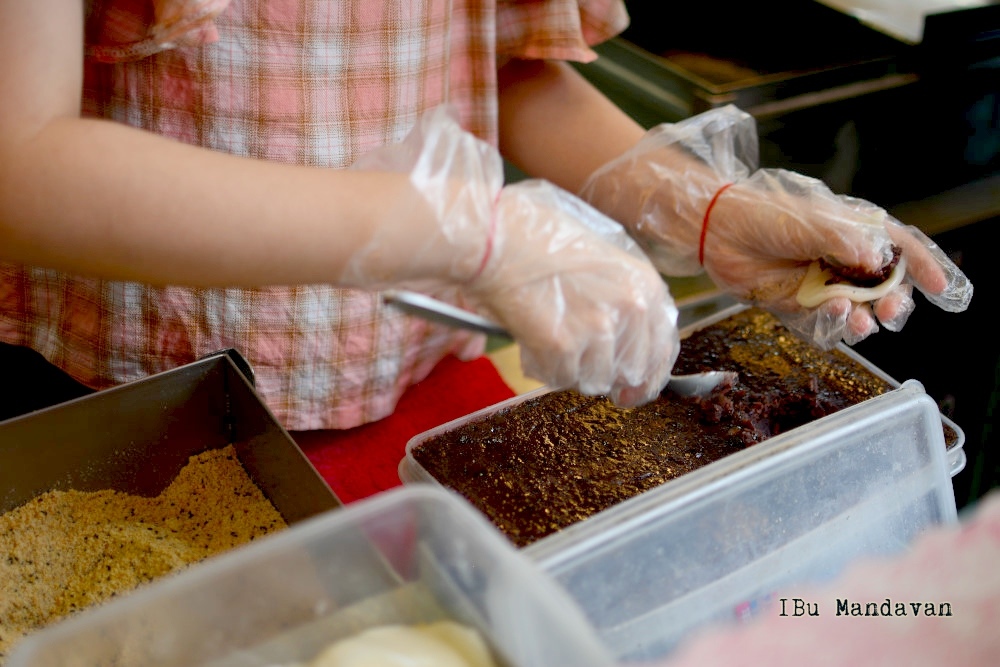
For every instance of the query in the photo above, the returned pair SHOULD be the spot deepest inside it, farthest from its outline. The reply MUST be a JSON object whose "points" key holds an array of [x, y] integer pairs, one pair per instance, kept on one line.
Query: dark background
{"points": [[956, 356]]}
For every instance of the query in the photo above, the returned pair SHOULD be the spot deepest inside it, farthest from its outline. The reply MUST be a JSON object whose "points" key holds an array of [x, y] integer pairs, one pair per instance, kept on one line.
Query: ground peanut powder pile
{"points": [[67, 550]]}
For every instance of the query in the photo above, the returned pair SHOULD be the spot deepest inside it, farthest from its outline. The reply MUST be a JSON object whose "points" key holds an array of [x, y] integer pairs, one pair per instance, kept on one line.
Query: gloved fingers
{"points": [[628, 366], [895, 308], [856, 235], [852, 320], [562, 346], [860, 323], [594, 340], [598, 374], [645, 356], [935, 275], [824, 326], [628, 396], [586, 306], [775, 285], [553, 359], [845, 233], [835, 320], [926, 270], [598, 351]]}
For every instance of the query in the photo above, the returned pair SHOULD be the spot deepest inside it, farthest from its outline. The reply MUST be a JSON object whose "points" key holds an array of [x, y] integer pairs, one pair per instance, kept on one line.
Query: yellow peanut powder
{"points": [[67, 550]]}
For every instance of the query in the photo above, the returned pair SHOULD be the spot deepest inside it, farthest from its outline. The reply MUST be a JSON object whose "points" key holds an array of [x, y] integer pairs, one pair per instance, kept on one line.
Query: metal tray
{"points": [[135, 438]]}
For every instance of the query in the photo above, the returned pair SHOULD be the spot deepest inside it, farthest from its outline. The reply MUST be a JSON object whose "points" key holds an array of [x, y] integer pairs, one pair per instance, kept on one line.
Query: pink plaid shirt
{"points": [[310, 82]]}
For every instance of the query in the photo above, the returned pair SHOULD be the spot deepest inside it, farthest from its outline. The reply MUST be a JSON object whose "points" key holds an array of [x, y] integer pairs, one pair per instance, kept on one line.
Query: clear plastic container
{"points": [[411, 555], [714, 545]]}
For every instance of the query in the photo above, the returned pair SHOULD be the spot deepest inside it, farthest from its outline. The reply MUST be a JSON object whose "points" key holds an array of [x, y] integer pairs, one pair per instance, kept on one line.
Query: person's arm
{"points": [[691, 194], [95, 197], [555, 125]]}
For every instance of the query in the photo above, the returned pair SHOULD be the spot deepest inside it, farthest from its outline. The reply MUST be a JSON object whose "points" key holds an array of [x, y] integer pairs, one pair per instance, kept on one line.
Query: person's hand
{"points": [[691, 195], [767, 235], [588, 309]]}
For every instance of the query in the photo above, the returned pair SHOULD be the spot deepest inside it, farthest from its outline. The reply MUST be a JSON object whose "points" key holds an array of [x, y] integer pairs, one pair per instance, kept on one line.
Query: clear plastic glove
{"points": [[692, 196], [589, 310]]}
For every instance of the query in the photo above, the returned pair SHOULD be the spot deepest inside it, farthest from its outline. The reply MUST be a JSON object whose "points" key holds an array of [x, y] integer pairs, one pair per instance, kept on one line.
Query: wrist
{"points": [[661, 197], [426, 238], [491, 234], [706, 221]]}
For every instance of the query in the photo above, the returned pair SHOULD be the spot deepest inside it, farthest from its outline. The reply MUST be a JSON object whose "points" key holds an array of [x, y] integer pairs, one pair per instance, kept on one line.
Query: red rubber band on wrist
{"points": [[704, 223]]}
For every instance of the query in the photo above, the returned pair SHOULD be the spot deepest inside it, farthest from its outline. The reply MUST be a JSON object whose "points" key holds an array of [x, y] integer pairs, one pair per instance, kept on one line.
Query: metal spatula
{"points": [[428, 308]]}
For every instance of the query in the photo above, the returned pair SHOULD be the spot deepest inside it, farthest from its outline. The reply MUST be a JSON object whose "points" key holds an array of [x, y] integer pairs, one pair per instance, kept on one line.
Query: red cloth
{"points": [[362, 461]]}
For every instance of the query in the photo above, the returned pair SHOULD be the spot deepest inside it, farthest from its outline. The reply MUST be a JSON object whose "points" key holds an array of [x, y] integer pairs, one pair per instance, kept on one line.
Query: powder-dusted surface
{"points": [[784, 382], [556, 459], [66, 550]]}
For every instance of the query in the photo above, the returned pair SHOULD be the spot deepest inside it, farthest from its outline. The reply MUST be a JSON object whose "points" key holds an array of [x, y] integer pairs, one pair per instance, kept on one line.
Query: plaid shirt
{"points": [[314, 82]]}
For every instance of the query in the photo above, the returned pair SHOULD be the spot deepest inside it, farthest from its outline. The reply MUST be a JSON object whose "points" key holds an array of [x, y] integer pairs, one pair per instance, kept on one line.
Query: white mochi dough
{"points": [[441, 644]]}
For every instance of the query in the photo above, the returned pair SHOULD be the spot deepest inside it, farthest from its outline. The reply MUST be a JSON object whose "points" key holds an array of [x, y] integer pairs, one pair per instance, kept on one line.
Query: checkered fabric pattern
{"points": [[313, 82]]}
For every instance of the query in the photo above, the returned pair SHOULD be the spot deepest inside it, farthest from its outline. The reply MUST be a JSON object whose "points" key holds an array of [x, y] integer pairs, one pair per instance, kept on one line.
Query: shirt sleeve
{"points": [[557, 29]]}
